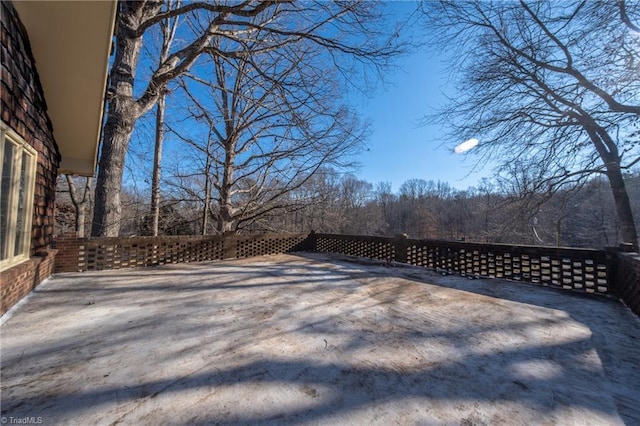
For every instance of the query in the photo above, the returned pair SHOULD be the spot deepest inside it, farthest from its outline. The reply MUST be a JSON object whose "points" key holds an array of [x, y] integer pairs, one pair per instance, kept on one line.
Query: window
{"points": [[16, 197]]}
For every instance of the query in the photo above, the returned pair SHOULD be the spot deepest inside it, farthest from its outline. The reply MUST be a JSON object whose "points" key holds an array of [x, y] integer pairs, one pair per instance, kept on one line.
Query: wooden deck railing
{"points": [[600, 272], [585, 270], [98, 253]]}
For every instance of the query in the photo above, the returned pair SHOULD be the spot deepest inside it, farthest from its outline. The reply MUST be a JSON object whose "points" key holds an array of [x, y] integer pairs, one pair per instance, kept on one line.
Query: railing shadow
{"points": [[315, 338]]}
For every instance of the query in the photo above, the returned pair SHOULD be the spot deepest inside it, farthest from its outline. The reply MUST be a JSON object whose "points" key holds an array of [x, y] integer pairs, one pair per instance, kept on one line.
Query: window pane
{"points": [[22, 206], [5, 196]]}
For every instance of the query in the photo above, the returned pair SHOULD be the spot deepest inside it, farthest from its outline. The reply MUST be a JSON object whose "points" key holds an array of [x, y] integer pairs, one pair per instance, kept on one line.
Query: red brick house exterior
{"points": [[26, 129], [24, 110]]}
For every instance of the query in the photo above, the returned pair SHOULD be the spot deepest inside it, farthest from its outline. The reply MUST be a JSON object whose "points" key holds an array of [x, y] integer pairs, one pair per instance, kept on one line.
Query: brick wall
{"points": [[23, 109], [19, 280]]}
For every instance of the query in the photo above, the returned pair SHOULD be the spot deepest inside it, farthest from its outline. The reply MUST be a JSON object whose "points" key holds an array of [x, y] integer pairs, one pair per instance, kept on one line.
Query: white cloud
{"points": [[466, 146]]}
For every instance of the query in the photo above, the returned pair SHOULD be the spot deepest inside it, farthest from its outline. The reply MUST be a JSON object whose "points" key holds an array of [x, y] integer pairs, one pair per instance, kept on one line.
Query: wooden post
{"points": [[400, 245], [612, 260], [229, 246], [312, 242]]}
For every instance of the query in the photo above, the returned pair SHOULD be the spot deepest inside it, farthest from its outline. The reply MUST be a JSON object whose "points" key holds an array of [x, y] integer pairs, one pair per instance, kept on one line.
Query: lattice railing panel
{"points": [[576, 269], [369, 247], [86, 254], [567, 268], [116, 253], [261, 245]]}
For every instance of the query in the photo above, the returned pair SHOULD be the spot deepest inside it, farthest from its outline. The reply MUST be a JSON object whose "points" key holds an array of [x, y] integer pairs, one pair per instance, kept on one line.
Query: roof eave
{"points": [[71, 43]]}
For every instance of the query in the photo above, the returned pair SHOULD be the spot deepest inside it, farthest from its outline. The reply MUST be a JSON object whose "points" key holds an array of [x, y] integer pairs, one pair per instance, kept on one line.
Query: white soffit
{"points": [[71, 41]]}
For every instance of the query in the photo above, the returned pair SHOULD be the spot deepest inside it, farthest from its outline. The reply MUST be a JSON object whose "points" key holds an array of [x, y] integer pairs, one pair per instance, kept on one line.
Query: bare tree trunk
{"points": [[122, 114], [207, 202], [225, 216], [609, 154], [157, 165], [207, 187], [628, 232], [80, 204], [168, 33], [108, 208]]}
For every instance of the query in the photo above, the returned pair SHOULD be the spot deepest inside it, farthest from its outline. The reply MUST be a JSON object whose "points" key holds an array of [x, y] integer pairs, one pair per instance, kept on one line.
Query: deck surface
{"points": [[315, 339]]}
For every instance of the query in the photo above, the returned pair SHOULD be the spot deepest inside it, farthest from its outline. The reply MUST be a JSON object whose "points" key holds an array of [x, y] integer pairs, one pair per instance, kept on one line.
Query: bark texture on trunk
{"points": [[122, 113], [157, 166], [80, 204], [609, 154], [628, 231], [226, 219], [207, 187], [108, 208]]}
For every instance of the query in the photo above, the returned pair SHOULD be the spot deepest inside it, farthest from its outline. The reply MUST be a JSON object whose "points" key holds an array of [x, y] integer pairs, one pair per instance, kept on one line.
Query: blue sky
{"points": [[399, 147]]}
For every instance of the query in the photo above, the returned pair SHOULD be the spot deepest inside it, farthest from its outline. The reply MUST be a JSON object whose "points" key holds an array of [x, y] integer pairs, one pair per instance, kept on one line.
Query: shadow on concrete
{"points": [[314, 338]]}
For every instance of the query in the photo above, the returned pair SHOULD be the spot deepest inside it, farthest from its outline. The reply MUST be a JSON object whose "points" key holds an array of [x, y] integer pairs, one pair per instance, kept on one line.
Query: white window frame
{"points": [[8, 241]]}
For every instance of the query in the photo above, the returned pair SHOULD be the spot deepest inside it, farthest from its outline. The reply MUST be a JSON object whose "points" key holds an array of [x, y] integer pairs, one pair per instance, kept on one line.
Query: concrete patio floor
{"points": [[315, 339]]}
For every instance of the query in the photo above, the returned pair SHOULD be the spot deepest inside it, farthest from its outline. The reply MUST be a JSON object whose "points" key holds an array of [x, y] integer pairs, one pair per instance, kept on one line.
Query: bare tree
{"points": [[552, 85], [272, 122], [349, 34], [315, 205], [386, 202], [80, 200], [168, 29]]}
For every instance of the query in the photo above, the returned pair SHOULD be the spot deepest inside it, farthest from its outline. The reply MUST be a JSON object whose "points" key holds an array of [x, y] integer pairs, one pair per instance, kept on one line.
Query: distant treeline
{"points": [[579, 216]]}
